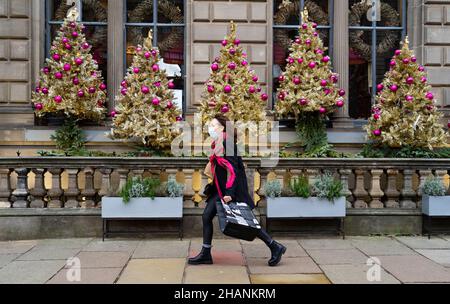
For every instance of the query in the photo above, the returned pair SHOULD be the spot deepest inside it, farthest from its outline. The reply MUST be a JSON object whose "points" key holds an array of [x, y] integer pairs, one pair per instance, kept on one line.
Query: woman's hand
{"points": [[227, 199]]}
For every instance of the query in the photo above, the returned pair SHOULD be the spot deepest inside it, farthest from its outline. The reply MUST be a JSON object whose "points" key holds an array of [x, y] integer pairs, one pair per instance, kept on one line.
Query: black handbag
{"points": [[209, 189]]}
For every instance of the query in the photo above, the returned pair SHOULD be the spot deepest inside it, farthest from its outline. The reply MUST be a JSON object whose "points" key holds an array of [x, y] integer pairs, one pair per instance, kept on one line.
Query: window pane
{"points": [[385, 13], [139, 11], [391, 13], [171, 11], [91, 11], [318, 12]]}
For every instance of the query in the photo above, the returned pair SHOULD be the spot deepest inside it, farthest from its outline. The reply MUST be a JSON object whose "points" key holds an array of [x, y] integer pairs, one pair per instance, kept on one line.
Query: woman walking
{"points": [[229, 171]]}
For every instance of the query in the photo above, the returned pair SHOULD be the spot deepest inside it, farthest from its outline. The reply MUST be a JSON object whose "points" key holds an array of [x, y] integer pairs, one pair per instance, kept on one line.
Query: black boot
{"points": [[277, 251], [204, 257]]}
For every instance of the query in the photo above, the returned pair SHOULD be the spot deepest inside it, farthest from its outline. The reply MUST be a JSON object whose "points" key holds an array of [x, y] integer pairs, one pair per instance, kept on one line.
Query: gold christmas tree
{"points": [[405, 114], [308, 88], [232, 88], [70, 82], [145, 109]]}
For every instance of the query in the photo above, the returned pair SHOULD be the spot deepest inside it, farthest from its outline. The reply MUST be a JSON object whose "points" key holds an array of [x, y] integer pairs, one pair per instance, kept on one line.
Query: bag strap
{"points": [[213, 169]]}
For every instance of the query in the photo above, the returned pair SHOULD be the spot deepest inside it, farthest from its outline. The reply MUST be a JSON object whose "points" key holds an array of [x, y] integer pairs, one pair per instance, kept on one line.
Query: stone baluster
{"points": [[54, 194], [73, 190], [88, 192], [312, 175], [123, 177], [408, 193], [391, 191], [105, 188], [250, 173], [375, 191], [345, 173], [20, 194], [441, 174], [5, 188], [360, 192], [263, 173], [38, 192], [188, 176], [423, 174], [197, 186]]}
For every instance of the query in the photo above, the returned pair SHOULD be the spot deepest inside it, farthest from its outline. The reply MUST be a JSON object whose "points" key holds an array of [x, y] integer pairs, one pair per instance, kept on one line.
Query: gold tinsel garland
{"points": [[168, 9], [389, 41], [99, 13], [288, 9]]}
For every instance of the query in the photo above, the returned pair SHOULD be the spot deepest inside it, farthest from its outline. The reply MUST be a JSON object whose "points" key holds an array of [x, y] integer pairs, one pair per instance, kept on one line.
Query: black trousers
{"points": [[210, 212]]}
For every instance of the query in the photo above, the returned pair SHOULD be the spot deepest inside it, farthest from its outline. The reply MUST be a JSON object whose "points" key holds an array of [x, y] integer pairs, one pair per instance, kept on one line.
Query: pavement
{"points": [[357, 260]]}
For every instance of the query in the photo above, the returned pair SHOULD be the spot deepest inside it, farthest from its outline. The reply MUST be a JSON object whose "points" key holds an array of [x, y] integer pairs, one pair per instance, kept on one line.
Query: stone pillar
{"points": [[346, 191], [39, 191], [54, 194], [123, 176], [408, 193], [391, 191], [5, 188], [375, 192], [73, 190], [88, 192], [423, 174], [20, 194], [360, 192], [105, 189]]}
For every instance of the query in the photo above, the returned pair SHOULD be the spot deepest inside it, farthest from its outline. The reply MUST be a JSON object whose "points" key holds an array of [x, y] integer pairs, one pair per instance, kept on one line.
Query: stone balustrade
{"points": [[59, 182]]}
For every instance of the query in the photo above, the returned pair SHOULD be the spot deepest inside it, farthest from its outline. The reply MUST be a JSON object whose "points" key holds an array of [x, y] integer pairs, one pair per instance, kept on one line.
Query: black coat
{"points": [[239, 190]]}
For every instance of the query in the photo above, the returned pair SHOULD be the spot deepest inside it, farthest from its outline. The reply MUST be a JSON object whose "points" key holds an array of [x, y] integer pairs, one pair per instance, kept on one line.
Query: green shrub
{"points": [[273, 188], [139, 187], [433, 186], [300, 187], [326, 186]]}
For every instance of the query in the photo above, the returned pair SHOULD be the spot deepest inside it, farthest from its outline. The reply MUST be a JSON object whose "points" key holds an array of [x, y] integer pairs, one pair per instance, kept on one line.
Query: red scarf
{"points": [[221, 161]]}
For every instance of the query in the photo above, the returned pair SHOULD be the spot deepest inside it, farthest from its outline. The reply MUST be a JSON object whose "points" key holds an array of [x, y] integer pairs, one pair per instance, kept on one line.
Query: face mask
{"points": [[212, 132]]}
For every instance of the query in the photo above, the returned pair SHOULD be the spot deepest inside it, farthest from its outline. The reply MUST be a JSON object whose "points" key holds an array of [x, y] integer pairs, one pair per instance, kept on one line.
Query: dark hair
{"points": [[224, 120]]}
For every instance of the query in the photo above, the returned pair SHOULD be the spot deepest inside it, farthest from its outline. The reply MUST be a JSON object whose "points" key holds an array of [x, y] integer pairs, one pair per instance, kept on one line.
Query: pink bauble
{"points": [[252, 89], [297, 80], [147, 55], [312, 65], [58, 99], [67, 67], [91, 90], [308, 41], [300, 60], [340, 103], [45, 91], [65, 40], [394, 88], [323, 83], [80, 93], [423, 79], [410, 80], [244, 62], [169, 105], [322, 110], [429, 96], [326, 59], [341, 92], [124, 91], [136, 70], [380, 87], [405, 61], [225, 109], [38, 106], [224, 42], [157, 84], [210, 89], [291, 60], [327, 91], [392, 63], [334, 78], [298, 41], [398, 52], [113, 114], [232, 65], [377, 132], [102, 87], [227, 89], [124, 84], [68, 46], [179, 118], [237, 41], [171, 85], [76, 81], [138, 49], [46, 70], [258, 90], [37, 90], [145, 90], [58, 75], [214, 67], [74, 34], [281, 78], [155, 68], [304, 26], [72, 24], [429, 107], [409, 98], [281, 96], [232, 51], [56, 57], [315, 34], [376, 116], [413, 59], [154, 52], [264, 96], [155, 101], [314, 25], [85, 46], [303, 102], [78, 61], [255, 78], [421, 68], [319, 51]]}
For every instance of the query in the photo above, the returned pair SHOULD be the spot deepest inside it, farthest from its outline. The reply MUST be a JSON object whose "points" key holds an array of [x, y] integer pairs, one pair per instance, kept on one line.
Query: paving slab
{"points": [[260, 250], [416, 268], [216, 274], [153, 271], [49, 253], [64, 243], [87, 276], [161, 249], [287, 265], [375, 246], [337, 256], [223, 257], [288, 279], [355, 274], [98, 259], [7, 258], [16, 246], [440, 256], [325, 243], [112, 245], [422, 242], [30, 272]]}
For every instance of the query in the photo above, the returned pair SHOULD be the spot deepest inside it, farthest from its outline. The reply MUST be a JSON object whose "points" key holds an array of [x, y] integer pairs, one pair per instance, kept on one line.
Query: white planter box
{"points": [[159, 207], [436, 205], [297, 207]]}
